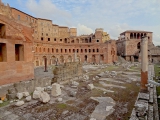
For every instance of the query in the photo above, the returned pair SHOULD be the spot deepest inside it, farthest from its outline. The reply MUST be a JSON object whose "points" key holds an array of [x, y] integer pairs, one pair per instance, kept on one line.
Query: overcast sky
{"points": [[114, 16]]}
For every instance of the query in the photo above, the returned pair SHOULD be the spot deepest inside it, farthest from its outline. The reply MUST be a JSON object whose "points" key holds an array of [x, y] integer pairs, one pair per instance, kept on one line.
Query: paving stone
{"points": [[11, 117]]}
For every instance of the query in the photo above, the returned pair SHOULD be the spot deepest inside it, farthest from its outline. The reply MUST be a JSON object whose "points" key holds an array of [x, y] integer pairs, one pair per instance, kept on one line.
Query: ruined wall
{"points": [[86, 52], [73, 31], [16, 39], [67, 71], [5, 10], [129, 44]]}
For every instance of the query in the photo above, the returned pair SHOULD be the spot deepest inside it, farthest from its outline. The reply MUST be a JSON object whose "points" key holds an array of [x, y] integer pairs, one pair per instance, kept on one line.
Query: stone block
{"points": [[11, 96], [1, 101], [19, 95], [44, 97], [59, 100], [19, 103], [90, 86], [25, 94], [28, 98], [39, 89], [36, 94], [56, 90]]}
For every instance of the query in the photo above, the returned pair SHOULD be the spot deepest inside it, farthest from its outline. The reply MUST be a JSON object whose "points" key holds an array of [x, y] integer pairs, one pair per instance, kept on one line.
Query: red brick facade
{"points": [[25, 41], [129, 43]]}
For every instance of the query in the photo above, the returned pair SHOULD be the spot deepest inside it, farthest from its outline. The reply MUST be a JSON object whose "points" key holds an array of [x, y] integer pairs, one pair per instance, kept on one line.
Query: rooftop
{"points": [[136, 31]]}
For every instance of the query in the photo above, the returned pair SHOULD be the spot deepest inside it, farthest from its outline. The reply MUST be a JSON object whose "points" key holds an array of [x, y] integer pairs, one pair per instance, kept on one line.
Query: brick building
{"points": [[15, 48], [25, 41], [60, 43], [129, 44]]}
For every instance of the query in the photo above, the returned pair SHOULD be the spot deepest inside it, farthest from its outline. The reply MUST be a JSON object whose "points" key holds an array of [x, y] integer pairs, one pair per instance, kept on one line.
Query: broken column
{"points": [[144, 64], [45, 65]]}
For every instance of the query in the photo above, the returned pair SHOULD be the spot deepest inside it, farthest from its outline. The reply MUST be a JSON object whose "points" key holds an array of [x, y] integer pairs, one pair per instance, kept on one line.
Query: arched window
{"points": [[134, 35], [65, 40], [131, 36], [138, 36], [97, 50], [138, 45]]}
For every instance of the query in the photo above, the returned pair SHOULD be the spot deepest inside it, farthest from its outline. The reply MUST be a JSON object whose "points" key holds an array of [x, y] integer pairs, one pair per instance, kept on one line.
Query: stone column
{"points": [[45, 64], [144, 64], [75, 56]]}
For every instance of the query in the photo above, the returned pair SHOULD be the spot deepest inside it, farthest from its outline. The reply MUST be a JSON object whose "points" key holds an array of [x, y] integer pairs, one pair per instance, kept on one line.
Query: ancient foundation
{"points": [[68, 71]]}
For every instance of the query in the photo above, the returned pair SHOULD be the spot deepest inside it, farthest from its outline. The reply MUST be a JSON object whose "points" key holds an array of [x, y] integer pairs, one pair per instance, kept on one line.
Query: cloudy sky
{"points": [[114, 16]]}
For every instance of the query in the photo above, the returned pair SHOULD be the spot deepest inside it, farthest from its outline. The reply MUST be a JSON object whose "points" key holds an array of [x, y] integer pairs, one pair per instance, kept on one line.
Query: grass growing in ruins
{"points": [[4, 104], [157, 70], [134, 69], [61, 106]]}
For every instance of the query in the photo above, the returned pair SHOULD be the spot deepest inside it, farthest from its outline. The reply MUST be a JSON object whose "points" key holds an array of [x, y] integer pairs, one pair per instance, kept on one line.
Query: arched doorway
{"points": [[85, 58], [61, 59], [37, 63], [78, 58], [101, 58], [69, 59], [44, 58], [131, 36], [93, 59], [65, 40], [53, 59]]}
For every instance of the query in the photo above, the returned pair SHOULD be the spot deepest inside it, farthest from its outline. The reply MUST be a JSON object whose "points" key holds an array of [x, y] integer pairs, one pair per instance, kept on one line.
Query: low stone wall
{"points": [[41, 79]]}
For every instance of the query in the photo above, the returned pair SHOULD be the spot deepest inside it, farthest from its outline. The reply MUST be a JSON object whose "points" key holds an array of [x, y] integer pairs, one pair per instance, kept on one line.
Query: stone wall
{"points": [[67, 71], [42, 79]]}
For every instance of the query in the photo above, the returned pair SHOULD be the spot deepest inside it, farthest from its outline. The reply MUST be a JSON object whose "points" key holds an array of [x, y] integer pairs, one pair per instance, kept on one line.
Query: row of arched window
{"points": [[52, 50], [137, 35], [68, 40]]}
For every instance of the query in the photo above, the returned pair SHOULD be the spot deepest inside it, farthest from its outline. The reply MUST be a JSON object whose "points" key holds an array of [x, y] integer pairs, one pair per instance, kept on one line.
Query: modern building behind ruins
{"points": [[129, 44], [26, 40]]}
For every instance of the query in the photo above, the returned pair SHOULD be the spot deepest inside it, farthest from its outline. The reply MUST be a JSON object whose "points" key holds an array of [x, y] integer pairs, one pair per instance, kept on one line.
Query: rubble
{"points": [[36, 94], [72, 93], [19, 103], [28, 98], [19, 95], [1, 101], [25, 94], [44, 97], [90, 86], [56, 90], [59, 100]]}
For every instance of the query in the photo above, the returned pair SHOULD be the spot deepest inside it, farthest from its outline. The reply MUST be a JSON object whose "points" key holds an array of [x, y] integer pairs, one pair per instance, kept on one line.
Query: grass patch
{"points": [[157, 69], [4, 104], [61, 106], [111, 68]]}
